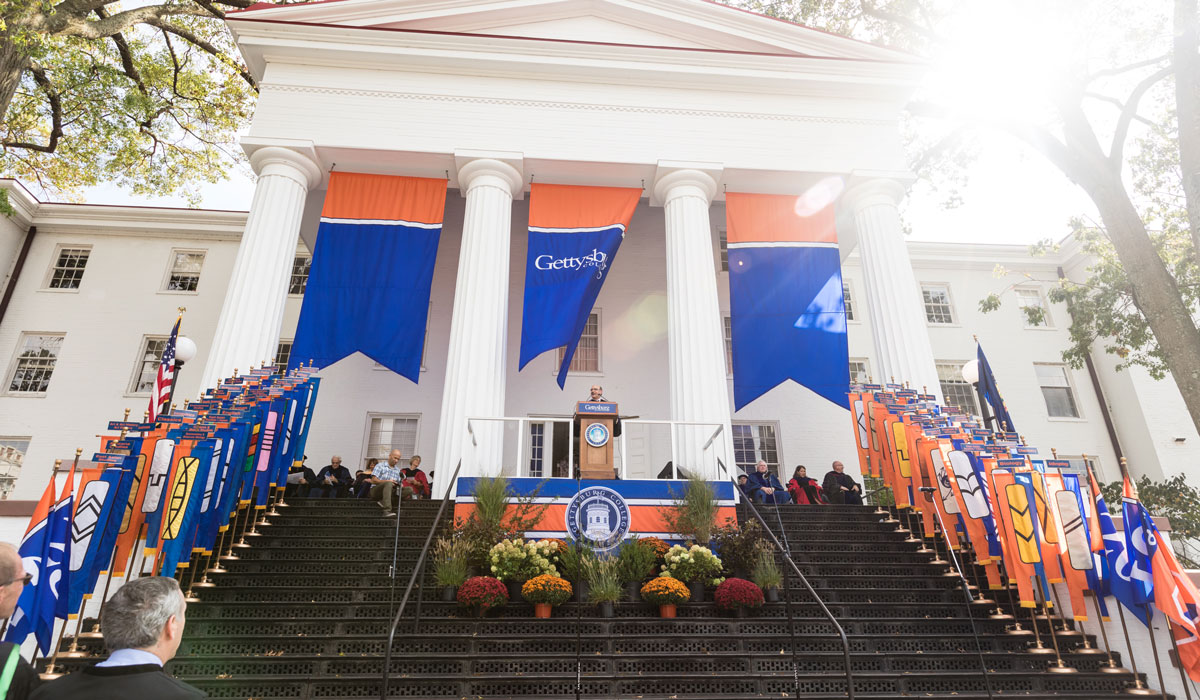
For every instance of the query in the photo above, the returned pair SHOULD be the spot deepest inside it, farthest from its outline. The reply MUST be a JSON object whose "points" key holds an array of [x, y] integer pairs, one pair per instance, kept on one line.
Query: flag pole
{"points": [[1109, 666], [62, 629], [1139, 688], [175, 370], [1154, 648], [1183, 679]]}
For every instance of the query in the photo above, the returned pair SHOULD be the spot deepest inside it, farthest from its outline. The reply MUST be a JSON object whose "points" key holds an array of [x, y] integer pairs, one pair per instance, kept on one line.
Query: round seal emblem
{"points": [[600, 516], [596, 435]]}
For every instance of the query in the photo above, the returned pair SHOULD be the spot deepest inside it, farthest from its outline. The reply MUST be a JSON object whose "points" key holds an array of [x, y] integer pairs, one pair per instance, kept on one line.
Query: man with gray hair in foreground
{"points": [[142, 625]]}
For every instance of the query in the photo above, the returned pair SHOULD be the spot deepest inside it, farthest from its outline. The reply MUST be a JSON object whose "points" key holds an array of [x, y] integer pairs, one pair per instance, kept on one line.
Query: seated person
{"points": [[804, 490], [765, 486], [840, 488], [743, 484], [300, 479], [384, 480], [361, 487], [333, 481], [413, 483]]}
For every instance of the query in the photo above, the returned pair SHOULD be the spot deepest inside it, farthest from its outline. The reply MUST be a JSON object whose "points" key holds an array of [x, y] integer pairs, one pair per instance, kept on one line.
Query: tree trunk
{"points": [[1186, 60], [12, 65]]}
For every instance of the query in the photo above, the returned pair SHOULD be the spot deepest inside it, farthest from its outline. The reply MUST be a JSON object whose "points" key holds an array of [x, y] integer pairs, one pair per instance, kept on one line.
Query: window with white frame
{"points": [[1028, 298], [283, 353], [391, 432], [955, 389], [145, 370], [537, 448], [849, 301], [12, 458], [938, 308], [67, 272], [300, 267], [184, 275], [1078, 464], [860, 370], [728, 321], [36, 357], [753, 442], [723, 249], [587, 353], [1056, 390]]}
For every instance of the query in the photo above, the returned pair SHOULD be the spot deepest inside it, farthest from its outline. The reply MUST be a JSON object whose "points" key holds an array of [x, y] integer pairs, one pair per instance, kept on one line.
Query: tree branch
{"points": [[204, 45], [127, 64], [871, 10], [56, 131], [1119, 105], [1117, 153], [98, 29], [1108, 72]]}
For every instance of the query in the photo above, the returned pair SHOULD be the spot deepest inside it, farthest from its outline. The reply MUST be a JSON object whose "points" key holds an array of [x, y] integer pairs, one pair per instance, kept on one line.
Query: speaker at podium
{"points": [[597, 423]]}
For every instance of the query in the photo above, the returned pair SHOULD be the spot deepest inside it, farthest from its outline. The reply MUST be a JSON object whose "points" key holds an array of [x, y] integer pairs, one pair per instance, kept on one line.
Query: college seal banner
{"points": [[368, 287], [574, 234], [785, 295]]}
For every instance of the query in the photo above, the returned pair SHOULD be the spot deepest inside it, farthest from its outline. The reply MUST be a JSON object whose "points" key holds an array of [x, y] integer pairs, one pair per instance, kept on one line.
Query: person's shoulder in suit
{"points": [[25, 678], [105, 682]]}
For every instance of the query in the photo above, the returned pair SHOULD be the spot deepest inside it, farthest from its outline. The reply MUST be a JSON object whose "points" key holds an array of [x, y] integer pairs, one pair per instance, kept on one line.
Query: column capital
{"points": [[878, 190], [498, 168], [291, 162], [684, 178]]}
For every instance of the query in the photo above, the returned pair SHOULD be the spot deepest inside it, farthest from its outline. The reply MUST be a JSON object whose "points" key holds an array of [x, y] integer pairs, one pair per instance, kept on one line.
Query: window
{"points": [[728, 345], [755, 441], [12, 457], [587, 353], [957, 392], [849, 301], [537, 448], [36, 357], [723, 249], [145, 372], [937, 303], [185, 270], [1032, 299], [391, 432], [67, 272], [860, 371], [283, 353], [1056, 390], [300, 268], [1079, 465]]}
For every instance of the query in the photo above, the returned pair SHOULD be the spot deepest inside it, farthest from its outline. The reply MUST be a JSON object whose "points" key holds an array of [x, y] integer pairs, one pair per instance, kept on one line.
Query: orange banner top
{"points": [[776, 218], [581, 206], [420, 200]]}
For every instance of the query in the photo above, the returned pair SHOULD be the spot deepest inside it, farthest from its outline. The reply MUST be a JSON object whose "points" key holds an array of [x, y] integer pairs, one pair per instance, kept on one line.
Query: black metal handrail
{"points": [[417, 569], [803, 579]]}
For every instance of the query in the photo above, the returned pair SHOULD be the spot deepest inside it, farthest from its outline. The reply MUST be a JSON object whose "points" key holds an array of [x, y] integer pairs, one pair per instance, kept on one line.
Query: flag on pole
{"points": [[1178, 598], [1140, 545], [98, 491], [1119, 586], [45, 550], [991, 393], [183, 499], [165, 379]]}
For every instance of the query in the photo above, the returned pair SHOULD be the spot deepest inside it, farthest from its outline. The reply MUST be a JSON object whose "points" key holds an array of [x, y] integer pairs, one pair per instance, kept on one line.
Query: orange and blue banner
{"points": [[785, 293], [574, 235], [368, 287]]}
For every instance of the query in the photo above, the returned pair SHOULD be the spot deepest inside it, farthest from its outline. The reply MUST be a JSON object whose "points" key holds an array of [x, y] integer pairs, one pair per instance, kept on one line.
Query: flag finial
{"points": [[78, 451], [127, 414], [1054, 452], [975, 338], [182, 309], [57, 466]]}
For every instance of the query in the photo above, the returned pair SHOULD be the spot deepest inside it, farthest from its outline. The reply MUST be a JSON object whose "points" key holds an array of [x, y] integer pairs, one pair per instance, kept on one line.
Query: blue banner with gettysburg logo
{"points": [[785, 293], [574, 234]]}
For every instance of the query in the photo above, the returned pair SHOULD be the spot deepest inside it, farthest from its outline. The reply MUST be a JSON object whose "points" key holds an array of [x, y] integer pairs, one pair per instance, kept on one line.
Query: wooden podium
{"points": [[595, 420]]}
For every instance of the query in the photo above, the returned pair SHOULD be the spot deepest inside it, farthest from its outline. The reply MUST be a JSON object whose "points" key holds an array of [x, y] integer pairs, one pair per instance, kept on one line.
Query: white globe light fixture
{"points": [[185, 350], [970, 372]]}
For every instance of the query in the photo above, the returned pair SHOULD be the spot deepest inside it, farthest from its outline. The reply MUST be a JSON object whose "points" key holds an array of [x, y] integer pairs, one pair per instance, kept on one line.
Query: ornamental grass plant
{"points": [[693, 563], [693, 513], [603, 579], [547, 589], [736, 593], [449, 562], [482, 593], [765, 572], [665, 590]]}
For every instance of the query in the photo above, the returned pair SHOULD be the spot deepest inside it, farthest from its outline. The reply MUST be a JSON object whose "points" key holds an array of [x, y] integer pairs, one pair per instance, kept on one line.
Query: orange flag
{"points": [[1014, 519], [938, 473]]}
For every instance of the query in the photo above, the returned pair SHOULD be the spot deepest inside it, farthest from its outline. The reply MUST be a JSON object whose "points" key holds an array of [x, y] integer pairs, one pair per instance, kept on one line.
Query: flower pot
{"points": [[666, 610], [581, 592], [739, 612], [772, 594], [542, 610], [606, 609], [634, 590], [448, 593], [514, 591], [697, 591]]}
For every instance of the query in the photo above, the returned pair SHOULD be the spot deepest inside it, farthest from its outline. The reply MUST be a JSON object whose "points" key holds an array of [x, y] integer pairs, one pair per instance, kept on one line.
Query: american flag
{"points": [[166, 376]]}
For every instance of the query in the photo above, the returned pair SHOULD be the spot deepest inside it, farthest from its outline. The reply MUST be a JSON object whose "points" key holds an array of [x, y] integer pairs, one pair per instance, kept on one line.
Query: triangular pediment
{"points": [[684, 24]]}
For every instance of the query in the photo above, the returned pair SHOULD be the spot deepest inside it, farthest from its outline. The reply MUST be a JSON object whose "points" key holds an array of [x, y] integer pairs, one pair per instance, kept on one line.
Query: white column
{"points": [[248, 328], [893, 297], [477, 359], [695, 336]]}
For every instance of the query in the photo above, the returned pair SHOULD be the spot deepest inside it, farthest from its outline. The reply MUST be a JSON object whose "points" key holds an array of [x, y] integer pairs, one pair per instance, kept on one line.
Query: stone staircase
{"points": [[304, 613]]}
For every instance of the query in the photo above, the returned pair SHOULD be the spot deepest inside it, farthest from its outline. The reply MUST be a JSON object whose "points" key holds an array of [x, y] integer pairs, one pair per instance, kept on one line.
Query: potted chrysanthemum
{"points": [[737, 594], [482, 593], [546, 591], [695, 565], [665, 592]]}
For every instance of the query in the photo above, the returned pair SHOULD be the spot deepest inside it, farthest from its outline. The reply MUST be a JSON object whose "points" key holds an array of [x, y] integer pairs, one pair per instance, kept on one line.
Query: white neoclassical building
{"points": [[684, 98]]}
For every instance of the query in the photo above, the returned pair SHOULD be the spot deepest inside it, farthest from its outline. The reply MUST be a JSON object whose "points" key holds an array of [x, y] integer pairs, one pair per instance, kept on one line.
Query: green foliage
{"points": [[522, 560], [765, 573], [450, 561], [693, 563], [603, 579], [879, 496], [496, 517], [6, 207], [492, 499], [635, 563], [740, 548], [1172, 499], [151, 101], [572, 558], [693, 514]]}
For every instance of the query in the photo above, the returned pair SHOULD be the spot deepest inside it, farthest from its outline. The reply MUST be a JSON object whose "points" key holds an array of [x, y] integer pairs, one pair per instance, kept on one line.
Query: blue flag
{"points": [[1119, 583], [98, 498], [179, 518], [574, 234], [45, 551], [991, 394], [1140, 545]]}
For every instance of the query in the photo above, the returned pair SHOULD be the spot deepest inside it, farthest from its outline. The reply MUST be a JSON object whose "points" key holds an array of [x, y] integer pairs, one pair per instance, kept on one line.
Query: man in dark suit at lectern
{"points": [[596, 395]]}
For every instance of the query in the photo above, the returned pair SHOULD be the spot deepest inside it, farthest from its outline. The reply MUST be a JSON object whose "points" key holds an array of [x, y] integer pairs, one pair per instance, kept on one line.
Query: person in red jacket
{"points": [[806, 491], [413, 483]]}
